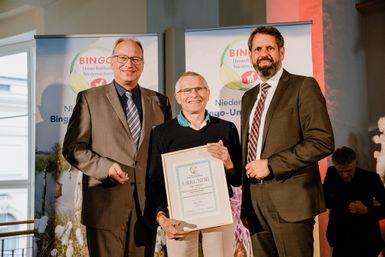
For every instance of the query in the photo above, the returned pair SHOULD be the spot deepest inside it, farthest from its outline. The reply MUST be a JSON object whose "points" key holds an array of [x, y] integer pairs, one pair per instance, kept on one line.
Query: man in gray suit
{"points": [[113, 158], [284, 135]]}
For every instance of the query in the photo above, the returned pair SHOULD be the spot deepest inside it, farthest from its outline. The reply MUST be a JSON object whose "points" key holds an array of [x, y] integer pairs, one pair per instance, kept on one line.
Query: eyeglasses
{"points": [[136, 60], [188, 91]]}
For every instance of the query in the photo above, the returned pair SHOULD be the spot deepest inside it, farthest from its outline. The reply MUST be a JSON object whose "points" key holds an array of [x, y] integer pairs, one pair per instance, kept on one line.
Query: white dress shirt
{"points": [[273, 82]]}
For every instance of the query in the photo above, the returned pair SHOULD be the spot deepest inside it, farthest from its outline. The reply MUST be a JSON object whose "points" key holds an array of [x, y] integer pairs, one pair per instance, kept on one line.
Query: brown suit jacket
{"points": [[297, 134], [97, 136]]}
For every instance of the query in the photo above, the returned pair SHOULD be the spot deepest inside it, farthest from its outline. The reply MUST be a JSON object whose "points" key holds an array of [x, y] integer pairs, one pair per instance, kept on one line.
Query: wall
{"points": [[27, 19], [95, 17], [241, 12], [345, 77], [78, 17], [374, 24], [164, 14]]}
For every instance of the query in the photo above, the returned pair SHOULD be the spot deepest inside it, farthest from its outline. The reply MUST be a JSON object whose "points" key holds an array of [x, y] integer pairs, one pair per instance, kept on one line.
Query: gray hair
{"points": [[134, 40], [192, 74]]}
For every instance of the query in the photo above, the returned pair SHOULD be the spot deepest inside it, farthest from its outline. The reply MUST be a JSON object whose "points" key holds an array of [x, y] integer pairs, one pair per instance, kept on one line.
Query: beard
{"points": [[267, 71]]}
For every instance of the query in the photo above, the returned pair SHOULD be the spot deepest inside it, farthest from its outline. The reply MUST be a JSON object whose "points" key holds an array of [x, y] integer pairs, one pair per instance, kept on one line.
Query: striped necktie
{"points": [[253, 135], [133, 118]]}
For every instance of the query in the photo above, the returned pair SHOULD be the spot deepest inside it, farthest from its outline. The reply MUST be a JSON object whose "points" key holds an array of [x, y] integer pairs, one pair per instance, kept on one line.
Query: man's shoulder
{"points": [[249, 93], [295, 78], [167, 126], [96, 90], [221, 122], [155, 97], [151, 92], [286, 73], [214, 119], [367, 173]]}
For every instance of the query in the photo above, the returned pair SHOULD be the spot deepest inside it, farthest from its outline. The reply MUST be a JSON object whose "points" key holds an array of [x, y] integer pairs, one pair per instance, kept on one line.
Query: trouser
{"points": [[216, 242], [129, 240], [278, 237], [365, 247]]}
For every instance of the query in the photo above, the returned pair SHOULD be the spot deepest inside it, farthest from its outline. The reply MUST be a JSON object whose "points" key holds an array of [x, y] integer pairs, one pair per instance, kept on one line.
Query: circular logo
{"points": [[90, 68], [236, 71], [98, 82]]}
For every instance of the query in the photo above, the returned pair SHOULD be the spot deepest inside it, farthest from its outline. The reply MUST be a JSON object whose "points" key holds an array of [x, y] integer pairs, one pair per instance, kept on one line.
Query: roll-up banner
{"points": [[221, 55], [66, 65]]}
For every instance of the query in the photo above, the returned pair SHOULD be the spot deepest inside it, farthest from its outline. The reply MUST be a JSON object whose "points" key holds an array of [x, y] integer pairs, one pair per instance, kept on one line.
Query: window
{"points": [[14, 117], [16, 134], [10, 212], [5, 87]]}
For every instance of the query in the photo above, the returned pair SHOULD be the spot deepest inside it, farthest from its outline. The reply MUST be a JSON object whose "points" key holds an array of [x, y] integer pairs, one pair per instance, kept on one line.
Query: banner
{"points": [[66, 65], [222, 57]]}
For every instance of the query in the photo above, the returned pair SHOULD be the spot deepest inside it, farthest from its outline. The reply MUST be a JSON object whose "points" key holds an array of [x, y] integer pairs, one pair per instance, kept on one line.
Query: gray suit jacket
{"points": [[297, 134], [97, 136]]}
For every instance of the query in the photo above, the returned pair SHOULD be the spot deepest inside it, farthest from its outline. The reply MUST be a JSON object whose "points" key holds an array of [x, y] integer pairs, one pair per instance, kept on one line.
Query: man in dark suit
{"points": [[356, 200], [283, 138], [112, 155]]}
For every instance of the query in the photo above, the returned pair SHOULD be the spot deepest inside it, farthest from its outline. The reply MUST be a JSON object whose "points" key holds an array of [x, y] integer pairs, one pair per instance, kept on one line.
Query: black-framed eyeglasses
{"points": [[188, 91], [136, 60]]}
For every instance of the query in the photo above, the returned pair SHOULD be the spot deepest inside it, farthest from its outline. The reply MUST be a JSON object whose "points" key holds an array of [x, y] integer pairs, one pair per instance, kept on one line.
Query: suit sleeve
{"points": [[234, 176], [247, 214], [77, 141], [155, 187], [167, 110], [315, 132], [329, 188]]}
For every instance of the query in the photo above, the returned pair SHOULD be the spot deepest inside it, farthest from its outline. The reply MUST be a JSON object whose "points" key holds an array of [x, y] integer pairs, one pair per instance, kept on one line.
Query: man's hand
{"points": [[219, 151], [257, 169], [116, 174], [358, 207], [171, 227]]}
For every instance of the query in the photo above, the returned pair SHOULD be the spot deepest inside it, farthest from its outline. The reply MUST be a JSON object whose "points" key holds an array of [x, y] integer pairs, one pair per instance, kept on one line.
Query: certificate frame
{"points": [[196, 189]]}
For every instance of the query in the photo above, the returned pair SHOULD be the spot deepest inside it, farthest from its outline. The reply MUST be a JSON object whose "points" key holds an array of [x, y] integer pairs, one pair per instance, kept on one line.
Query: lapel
{"points": [[281, 88], [113, 98], [146, 108]]}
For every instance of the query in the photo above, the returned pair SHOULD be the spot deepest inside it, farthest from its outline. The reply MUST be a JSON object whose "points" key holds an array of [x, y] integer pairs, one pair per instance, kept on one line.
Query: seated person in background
{"points": [[356, 199]]}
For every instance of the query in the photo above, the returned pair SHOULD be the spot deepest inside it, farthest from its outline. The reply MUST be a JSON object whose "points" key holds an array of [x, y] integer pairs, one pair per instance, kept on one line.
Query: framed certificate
{"points": [[196, 189]]}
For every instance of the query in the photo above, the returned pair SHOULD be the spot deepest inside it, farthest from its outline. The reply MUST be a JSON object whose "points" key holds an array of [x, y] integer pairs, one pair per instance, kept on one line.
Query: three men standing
{"points": [[285, 131]]}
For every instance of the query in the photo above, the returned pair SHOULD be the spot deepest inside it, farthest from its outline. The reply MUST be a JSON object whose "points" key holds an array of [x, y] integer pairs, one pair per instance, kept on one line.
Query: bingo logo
{"points": [[90, 67], [98, 82], [236, 71]]}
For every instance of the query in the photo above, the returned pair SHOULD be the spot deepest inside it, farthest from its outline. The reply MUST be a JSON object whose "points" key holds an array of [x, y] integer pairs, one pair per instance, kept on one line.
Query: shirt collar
{"points": [[182, 121], [273, 81], [121, 90]]}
